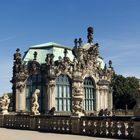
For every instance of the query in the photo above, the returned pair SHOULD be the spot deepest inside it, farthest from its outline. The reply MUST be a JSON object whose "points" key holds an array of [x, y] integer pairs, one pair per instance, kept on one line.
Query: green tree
{"points": [[123, 91]]}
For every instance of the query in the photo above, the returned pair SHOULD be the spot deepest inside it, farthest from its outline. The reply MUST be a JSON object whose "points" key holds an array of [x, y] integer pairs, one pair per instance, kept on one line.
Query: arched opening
{"points": [[63, 93], [89, 94], [35, 82]]}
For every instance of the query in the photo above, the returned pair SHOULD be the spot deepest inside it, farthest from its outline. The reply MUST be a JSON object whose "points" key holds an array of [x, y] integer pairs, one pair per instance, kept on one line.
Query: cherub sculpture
{"points": [[34, 103], [4, 104]]}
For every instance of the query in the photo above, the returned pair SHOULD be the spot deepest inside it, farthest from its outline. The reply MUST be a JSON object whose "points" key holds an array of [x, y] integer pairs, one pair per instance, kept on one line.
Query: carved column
{"points": [[77, 95], [110, 99], [19, 82], [50, 94], [20, 96]]}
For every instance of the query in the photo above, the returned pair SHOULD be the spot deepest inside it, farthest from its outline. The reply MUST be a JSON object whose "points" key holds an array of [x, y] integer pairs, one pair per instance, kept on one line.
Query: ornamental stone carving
{"points": [[34, 103], [20, 86], [77, 99], [4, 104]]}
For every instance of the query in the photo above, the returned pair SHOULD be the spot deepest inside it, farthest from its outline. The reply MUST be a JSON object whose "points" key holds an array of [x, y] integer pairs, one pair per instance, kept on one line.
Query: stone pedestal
{"points": [[20, 101], [20, 97], [4, 112]]}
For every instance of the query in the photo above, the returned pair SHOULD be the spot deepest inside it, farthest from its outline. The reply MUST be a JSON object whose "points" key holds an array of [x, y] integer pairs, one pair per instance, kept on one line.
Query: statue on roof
{"points": [[35, 55], [90, 35]]}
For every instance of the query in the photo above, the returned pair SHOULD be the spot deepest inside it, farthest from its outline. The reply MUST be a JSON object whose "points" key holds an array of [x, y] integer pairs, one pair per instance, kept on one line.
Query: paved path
{"points": [[12, 134]]}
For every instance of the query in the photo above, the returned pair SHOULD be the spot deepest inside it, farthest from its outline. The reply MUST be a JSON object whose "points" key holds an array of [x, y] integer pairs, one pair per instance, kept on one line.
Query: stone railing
{"points": [[60, 124], [113, 127], [16, 121], [117, 127]]}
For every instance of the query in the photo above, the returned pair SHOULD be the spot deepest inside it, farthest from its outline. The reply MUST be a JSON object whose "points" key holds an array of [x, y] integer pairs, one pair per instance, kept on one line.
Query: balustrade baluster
{"points": [[130, 129]]}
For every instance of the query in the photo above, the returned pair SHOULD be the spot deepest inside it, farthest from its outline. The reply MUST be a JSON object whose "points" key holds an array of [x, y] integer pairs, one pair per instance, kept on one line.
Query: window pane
{"points": [[68, 91], [60, 104], [63, 93], [60, 91], [68, 105], [64, 105], [88, 93]]}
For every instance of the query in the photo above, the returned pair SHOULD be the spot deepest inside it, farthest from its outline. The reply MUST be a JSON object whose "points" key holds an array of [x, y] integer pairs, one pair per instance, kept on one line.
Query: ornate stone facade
{"points": [[72, 83]]}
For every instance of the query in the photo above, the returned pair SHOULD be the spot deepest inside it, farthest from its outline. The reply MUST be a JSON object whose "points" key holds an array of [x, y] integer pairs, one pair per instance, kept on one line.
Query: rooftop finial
{"points": [[90, 34], [110, 64]]}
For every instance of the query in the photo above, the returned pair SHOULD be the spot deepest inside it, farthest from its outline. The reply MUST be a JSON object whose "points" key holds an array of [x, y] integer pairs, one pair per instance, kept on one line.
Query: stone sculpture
{"points": [[77, 97], [4, 104], [34, 103]]}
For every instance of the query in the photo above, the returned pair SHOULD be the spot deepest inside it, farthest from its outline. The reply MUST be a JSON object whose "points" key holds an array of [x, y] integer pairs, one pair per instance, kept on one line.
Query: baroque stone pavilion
{"points": [[73, 80]]}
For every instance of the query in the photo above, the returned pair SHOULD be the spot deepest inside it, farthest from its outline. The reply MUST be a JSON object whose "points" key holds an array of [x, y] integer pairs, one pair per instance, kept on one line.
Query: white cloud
{"points": [[7, 38]]}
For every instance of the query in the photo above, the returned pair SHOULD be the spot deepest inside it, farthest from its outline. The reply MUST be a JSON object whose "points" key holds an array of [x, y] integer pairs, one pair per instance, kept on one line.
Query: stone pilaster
{"points": [[20, 97], [97, 99], [50, 94], [110, 99], [77, 95]]}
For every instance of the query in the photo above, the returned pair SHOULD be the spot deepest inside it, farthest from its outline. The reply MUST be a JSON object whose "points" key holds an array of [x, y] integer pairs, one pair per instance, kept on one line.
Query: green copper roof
{"points": [[47, 48]]}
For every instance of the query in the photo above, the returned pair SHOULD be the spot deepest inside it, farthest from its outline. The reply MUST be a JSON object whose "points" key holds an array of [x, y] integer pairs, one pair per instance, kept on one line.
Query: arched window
{"points": [[63, 93], [34, 82], [89, 93]]}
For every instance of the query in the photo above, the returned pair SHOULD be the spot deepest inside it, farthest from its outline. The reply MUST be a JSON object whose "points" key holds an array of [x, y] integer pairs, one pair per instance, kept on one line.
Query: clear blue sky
{"points": [[29, 22]]}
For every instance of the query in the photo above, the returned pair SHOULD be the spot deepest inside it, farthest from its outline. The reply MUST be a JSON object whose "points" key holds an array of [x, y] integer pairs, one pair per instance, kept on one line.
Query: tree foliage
{"points": [[124, 89]]}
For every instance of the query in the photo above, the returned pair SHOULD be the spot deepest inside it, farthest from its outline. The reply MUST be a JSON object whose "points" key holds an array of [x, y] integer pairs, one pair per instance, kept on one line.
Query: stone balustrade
{"points": [[59, 124], [113, 127], [117, 127], [17, 121]]}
